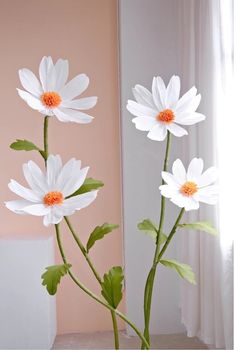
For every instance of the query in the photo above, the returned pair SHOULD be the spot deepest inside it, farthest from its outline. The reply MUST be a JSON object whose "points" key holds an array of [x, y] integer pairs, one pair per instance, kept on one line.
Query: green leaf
{"points": [[52, 276], [24, 145], [98, 233], [201, 226], [112, 285], [185, 271], [151, 229], [88, 185]]}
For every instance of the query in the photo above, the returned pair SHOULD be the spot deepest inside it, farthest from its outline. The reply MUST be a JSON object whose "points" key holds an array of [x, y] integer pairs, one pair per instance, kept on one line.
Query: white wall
{"points": [[149, 45]]}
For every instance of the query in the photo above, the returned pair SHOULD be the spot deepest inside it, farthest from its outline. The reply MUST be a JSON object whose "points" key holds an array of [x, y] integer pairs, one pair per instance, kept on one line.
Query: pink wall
{"points": [[84, 32]]}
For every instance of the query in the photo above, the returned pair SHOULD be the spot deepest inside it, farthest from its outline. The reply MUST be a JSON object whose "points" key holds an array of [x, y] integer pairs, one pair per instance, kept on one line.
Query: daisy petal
{"points": [[23, 192], [82, 103], [18, 206], [62, 71], [30, 82], [32, 101], [207, 198], [176, 130], [158, 132], [179, 171], [159, 92], [80, 201], [70, 115], [144, 123], [54, 165], [186, 99], [191, 204], [208, 177], [169, 179], [195, 169], [75, 87], [139, 110], [168, 191], [45, 73], [75, 181], [37, 209], [189, 118], [143, 96], [172, 92], [37, 176], [72, 166]]}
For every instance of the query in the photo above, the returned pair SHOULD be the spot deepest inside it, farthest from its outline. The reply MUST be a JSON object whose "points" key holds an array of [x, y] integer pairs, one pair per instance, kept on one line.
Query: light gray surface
{"points": [[149, 46], [104, 340]]}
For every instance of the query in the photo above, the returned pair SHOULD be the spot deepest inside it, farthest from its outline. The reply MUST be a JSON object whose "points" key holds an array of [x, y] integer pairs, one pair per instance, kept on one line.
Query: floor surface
{"points": [[104, 340]]}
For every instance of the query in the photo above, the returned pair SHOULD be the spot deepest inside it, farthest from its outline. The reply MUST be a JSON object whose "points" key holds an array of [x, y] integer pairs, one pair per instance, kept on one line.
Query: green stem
{"points": [[151, 276], [45, 137], [91, 294], [172, 232], [96, 274]]}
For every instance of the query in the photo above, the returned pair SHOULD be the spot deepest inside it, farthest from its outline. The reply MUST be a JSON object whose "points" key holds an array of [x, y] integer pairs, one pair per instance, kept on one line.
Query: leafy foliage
{"points": [[98, 233], [185, 271], [25, 145], [112, 286], [201, 226], [89, 184], [151, 229], [52, 277]]}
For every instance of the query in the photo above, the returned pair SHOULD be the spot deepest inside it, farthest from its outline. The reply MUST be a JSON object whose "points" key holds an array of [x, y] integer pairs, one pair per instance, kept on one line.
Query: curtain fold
{"points": [[207, 62]]}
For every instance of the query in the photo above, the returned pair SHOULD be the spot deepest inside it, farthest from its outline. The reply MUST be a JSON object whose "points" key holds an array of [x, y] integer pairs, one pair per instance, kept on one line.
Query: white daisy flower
{"points": [[48, 193], [52, 95], [163, 110], [187, 189]]}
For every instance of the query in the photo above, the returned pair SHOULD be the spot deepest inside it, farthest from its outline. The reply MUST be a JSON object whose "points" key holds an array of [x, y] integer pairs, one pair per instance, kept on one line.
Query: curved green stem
{"points": [[151, 276], [45, 137], [94, 296], [96, 274]]}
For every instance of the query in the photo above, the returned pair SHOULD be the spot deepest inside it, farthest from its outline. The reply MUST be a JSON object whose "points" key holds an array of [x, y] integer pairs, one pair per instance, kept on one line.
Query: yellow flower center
{"points": [[52, 198], [189, 188], [166, 116], [51, 99]]}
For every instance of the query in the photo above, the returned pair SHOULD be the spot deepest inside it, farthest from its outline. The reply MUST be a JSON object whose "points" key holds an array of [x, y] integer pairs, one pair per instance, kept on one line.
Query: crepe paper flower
{"points": [[163, 110], [52, 95], [187, 189], [48, 193]]}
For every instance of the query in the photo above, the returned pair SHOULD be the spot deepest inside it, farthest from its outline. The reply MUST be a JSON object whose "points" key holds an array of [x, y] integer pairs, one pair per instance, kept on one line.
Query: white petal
{"points": [[37, 186], [75, 180], [70, 115], [30, 82], [168, 191], [170, 179], [208, 177], [191, 204], [172, 92], [189, 118], [54, 216], [158, 132], [37, 176], [208, 198], [186, 99], [37, 209], [195, 169], [144, 123], [18, 206], [75, 87], [80, 201], [47, 73], [23, 192], [176, 130], [62, 71], [66, 172], [32, 101], [143, 96], [82, 103], [54, 165], [159, 93], [139, 110], [179, 172]]}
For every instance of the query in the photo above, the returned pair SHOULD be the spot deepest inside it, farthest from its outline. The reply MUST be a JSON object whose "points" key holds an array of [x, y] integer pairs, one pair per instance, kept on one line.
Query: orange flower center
{"points": [[52, 198], [51, 99], [189, 188], [166, 116]]}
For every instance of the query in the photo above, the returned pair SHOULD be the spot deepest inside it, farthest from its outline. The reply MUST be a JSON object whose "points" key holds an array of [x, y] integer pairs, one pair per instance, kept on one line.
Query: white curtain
{"points": [[207, 62]]}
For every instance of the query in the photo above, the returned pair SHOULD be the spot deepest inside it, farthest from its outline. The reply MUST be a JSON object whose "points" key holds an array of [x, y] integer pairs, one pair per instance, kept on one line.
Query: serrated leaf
{"points": [[24, 145], [99, 232], [185, 271], [201, 226], [89, 184], [52, 276], [151, 229], [112, 285]]}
